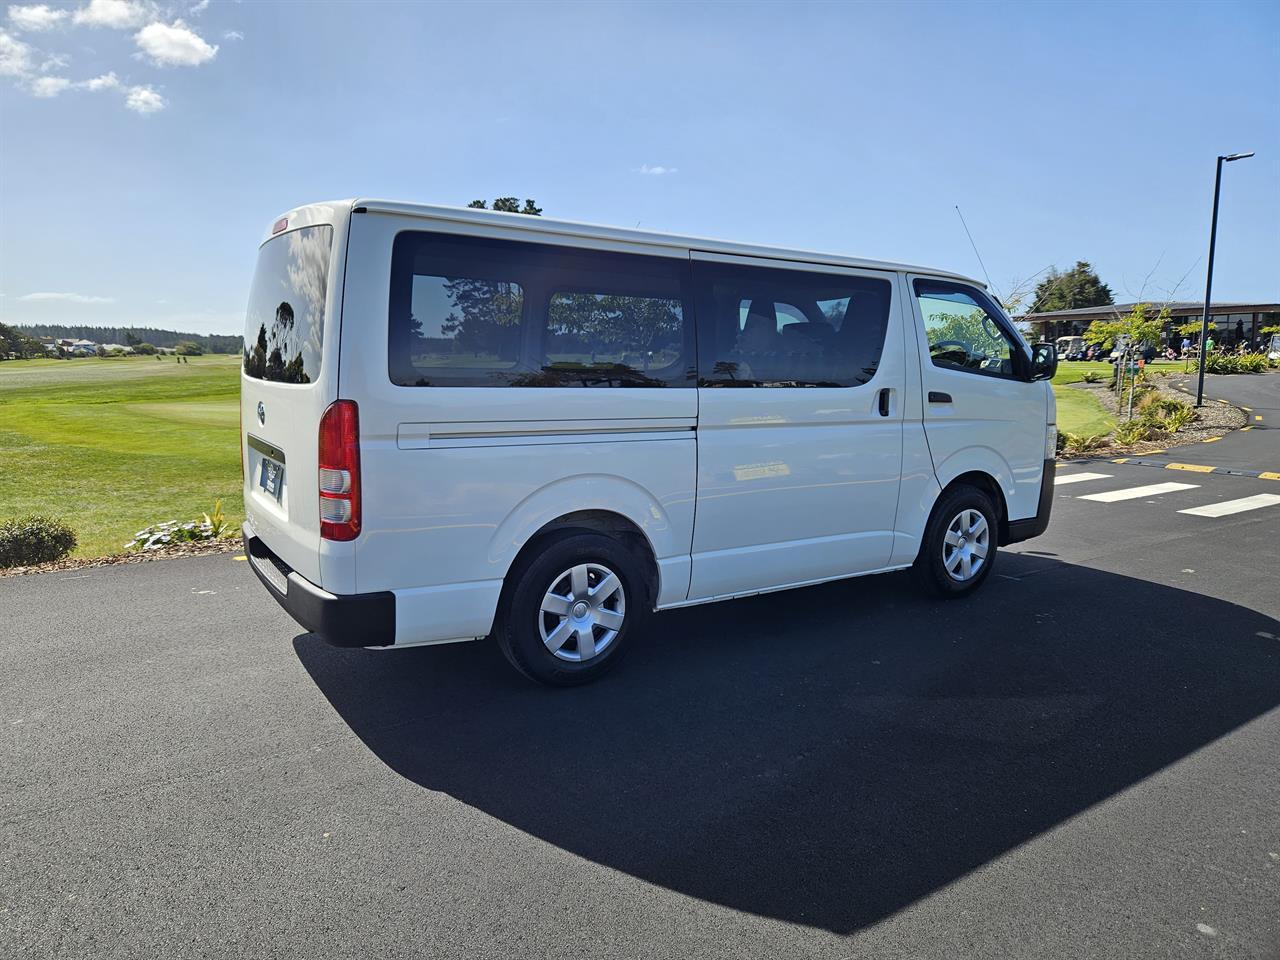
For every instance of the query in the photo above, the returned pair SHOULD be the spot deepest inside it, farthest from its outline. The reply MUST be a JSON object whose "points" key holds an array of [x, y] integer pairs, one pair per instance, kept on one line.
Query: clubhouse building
{"points": [[1229, 323]]}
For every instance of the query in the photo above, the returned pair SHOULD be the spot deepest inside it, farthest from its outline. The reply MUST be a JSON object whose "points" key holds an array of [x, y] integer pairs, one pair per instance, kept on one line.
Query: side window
{"points": [[964, 332], [764, 327], [466, 311]]}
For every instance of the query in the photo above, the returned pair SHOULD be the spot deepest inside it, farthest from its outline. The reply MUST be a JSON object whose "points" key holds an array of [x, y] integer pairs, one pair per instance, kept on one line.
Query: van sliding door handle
{"points": [[884, 402], [936, 397]]}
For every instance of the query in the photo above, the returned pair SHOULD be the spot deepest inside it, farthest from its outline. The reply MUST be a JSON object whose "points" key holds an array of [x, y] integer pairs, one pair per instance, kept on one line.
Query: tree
{"points": [[188, 348], [1133, 327], [1078, 287], [508, 205], [131, 339], [144, 348]]}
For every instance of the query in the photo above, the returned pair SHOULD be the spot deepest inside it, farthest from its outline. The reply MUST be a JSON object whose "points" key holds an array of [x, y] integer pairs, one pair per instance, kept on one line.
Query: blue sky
{"points": [[145, 146]]}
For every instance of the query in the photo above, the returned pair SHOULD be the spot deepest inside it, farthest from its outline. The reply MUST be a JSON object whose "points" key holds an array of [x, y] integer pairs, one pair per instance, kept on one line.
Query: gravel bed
{"points": [[198, 549]]}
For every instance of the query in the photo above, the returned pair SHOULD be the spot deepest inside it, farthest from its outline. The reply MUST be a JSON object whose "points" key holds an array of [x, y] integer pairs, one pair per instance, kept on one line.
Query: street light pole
{"points": [[1208, 283]]}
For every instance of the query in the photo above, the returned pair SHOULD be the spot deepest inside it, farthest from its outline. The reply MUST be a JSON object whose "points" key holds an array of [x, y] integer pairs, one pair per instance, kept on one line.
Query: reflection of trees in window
{"points": [[969, 328], [266, 360], [483, 315], [617, 326]]}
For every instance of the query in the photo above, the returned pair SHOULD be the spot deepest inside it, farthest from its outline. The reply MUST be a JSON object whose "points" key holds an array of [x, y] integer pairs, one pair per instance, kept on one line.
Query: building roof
{"points": [[1178, 308]]}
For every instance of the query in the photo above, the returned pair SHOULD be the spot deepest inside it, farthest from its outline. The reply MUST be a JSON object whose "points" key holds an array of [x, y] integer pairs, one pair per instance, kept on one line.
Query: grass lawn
{"points": [[114, 445], [1080, 412]]}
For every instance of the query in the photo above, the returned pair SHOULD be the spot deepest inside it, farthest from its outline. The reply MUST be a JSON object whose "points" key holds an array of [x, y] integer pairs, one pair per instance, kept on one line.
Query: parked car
{"points": [[461, 424]]}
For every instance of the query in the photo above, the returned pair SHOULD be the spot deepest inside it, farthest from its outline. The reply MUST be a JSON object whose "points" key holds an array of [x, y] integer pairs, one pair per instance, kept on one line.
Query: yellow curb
{"points": [[241, 557], [1247, 409], [1257, 416], [1246, 429], [1121, 460], [1193, 467], [1268, 475], [1210, 439]]}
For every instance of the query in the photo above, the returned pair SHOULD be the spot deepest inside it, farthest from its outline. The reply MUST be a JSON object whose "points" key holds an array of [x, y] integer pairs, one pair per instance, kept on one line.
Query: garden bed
{"points": [[1212, 420], [196, 548]]}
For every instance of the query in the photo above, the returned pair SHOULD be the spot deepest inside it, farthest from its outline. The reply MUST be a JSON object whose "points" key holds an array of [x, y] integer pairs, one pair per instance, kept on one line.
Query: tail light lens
{"points": [[339, 476]]}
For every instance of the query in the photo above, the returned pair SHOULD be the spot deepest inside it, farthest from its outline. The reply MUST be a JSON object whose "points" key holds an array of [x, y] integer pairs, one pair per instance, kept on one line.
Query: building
{"points": [[1229, 323]]}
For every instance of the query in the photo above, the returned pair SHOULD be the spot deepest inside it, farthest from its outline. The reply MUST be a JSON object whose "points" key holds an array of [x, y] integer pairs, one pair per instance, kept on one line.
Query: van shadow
{"points": [[830, 755]]}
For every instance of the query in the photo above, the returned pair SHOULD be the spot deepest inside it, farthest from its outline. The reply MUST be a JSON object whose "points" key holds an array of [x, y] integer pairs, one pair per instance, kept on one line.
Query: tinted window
{"points": [[284, 325], [472, 312], [760, 326], [964, 332]]}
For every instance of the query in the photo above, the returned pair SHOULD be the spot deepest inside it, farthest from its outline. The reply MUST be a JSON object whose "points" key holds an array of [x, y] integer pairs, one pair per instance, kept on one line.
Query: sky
{"points": [[145, 146]]}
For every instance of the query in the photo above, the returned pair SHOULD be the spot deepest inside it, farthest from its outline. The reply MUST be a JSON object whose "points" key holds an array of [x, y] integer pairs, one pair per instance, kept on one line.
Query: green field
{"points": [[1081, 413], [114, 445]]}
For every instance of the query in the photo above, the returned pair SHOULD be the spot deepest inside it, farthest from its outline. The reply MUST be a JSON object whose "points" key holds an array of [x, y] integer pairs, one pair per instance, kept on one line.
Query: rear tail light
{"points": [[339, 477]]}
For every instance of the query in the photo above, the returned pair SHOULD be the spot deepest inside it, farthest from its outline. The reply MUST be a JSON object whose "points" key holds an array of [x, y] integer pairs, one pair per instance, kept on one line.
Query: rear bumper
{"points": [[350, 620], [1019, 530]]}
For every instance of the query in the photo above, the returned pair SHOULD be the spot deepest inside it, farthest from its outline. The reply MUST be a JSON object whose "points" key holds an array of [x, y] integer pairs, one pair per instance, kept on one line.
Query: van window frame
{"points": [[539, 282], [1018, 350]]}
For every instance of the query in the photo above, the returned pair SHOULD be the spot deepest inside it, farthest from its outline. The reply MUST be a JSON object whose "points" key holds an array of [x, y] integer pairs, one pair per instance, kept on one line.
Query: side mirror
{"points": [[1044, 361]]}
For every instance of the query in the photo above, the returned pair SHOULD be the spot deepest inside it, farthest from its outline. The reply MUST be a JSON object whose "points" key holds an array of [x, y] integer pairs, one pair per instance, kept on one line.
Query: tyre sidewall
{"points": [[518, 631], [929, 565]]}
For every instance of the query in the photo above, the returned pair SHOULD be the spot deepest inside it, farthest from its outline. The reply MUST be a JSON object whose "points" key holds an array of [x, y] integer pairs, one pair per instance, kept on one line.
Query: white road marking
{"points": [[1077, 477], [1133, 493], [1229, 507]]}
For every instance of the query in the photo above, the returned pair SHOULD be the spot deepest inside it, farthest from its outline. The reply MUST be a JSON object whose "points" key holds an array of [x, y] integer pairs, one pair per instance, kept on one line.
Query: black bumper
{"points": [[1019, 530], [350, 620]]}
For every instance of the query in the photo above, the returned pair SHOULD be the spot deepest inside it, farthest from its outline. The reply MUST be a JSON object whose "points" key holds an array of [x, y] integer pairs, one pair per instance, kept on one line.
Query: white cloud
{"points": [[233, 35], [15, 56], [35, 17], [108, 81], [144, 100], [200, 7], [655, 171], [116, 14], [65, 298], [49, 86], [175, 45], [55, 61]]}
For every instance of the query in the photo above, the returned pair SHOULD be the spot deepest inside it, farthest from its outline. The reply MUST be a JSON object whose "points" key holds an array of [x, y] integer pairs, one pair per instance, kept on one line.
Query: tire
{"points": [[564, 620], [942, 566]]}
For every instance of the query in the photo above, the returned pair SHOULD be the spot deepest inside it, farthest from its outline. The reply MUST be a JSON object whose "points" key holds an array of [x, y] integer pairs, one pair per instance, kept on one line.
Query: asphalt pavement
{"points": [[1256, 448], [1079, 761]]}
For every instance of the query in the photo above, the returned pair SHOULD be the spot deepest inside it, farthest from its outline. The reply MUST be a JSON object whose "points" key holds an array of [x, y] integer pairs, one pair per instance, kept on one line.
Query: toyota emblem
{"points": [[262, 414]]}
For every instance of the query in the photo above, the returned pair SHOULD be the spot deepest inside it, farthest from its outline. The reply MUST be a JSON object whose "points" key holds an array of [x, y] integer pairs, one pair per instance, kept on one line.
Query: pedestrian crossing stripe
{"points": [[1062, 478], [1133, 493], [1228, 507]]}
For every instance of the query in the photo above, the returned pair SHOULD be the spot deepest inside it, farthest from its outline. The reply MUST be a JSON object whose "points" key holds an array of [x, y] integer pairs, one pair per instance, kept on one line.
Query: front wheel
{"points": [[571, 608], [960, 543]]}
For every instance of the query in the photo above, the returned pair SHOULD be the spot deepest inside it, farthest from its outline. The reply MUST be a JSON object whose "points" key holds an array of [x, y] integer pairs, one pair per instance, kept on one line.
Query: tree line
{"points": [[132, 336]]}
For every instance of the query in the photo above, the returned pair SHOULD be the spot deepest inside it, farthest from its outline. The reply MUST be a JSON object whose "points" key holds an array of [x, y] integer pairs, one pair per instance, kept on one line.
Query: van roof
{"points": [[593, 231]]}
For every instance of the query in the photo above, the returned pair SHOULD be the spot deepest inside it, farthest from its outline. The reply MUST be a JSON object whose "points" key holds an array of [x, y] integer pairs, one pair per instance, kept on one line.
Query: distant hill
{"points": [[211, 343]]}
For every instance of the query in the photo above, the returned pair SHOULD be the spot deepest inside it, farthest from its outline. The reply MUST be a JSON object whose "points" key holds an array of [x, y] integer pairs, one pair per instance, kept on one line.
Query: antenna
{"points": [[977, 254]]}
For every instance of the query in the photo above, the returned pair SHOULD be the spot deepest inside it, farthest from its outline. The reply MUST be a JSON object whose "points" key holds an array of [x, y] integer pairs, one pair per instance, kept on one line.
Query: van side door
{"points": [[800, 400], [982, 412]]}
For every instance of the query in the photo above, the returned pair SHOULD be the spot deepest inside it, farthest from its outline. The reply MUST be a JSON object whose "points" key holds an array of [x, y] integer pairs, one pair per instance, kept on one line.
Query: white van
{"points": [[462, 424]]}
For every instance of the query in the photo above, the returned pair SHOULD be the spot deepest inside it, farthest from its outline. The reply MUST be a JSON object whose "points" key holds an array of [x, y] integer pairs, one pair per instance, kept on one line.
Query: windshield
{"points": [[284, 325]]}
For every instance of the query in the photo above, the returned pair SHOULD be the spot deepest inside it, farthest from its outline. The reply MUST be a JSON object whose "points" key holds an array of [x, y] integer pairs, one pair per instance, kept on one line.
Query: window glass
{"points": [[763, 327], [284, 324], [963, 333], [472, 312]]}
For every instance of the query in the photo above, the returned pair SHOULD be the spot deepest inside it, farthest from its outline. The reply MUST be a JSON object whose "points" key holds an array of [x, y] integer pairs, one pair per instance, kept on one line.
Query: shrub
{"points": [[1232, 363], [1175, 420], [1091, 376], [29, 540], [1135, 431], [1080, 443]]}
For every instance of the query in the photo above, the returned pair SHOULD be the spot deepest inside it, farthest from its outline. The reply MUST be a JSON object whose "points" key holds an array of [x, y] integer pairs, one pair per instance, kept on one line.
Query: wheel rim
{"points": [[965, 547], [582, 612]]}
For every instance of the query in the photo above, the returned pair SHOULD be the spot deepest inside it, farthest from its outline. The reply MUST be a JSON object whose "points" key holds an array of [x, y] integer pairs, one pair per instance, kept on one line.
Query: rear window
{"points": [[468, 312], [284, 325]]}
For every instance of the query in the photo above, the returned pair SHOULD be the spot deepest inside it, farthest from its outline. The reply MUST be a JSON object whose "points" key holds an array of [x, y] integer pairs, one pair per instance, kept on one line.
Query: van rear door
{"points": [[288, 378]]}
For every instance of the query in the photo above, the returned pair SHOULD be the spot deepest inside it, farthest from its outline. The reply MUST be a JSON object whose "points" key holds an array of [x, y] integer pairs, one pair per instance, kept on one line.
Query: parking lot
{"points": [[1078, 761]]}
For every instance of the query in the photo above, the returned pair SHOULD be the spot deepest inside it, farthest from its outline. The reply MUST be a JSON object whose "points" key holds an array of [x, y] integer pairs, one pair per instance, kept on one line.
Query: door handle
{"points": [[884, 402], [936, 396]]}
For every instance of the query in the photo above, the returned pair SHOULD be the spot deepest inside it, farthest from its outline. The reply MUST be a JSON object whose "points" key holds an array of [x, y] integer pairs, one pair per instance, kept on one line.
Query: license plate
{"points": [[271, 477]]}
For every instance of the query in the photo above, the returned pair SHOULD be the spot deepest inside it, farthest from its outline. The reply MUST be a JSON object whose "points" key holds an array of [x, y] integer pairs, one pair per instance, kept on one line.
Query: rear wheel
{"points": [[960, 542], [571, 607]]}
